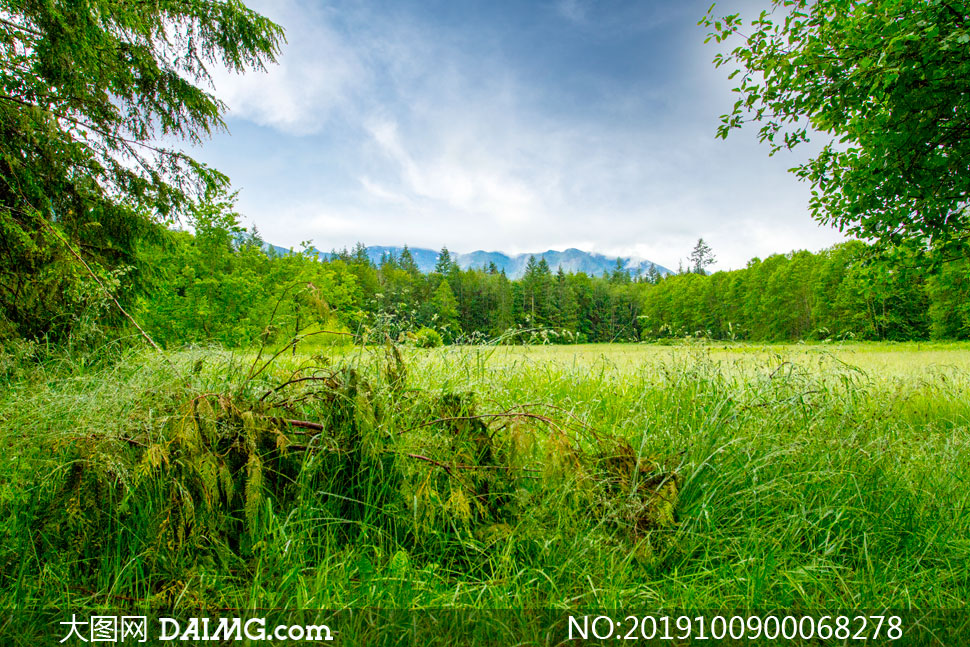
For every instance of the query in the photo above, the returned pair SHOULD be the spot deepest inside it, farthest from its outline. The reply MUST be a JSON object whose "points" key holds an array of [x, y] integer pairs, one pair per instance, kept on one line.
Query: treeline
{"points": [[841, 292], [219, 285]]}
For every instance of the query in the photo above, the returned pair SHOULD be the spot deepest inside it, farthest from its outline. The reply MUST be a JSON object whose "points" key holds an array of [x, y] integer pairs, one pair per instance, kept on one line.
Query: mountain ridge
{"points": [[570, 260]]}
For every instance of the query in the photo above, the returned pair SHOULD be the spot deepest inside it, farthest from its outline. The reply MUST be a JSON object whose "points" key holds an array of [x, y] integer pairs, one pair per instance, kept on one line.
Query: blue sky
{"points": [[509, 126]]}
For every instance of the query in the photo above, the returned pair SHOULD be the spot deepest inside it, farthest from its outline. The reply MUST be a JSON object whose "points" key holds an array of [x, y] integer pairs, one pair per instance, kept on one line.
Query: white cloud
{"points": [[319, 72], [384, 194], [421, 137]]}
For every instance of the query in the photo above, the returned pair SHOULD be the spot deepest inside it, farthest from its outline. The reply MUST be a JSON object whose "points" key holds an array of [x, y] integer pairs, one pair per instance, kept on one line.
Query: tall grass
{"points": [[764, 482]]}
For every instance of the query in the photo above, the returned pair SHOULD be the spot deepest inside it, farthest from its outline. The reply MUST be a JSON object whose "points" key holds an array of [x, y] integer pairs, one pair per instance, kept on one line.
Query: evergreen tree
{"points": [[537, 301], [342, 254], [87, 90], [503, 317], [564, 311], [701, 257], [388, 260], [620, 274], [445, 265], [529, 286], [531, 266], [252, 238], [360, 255], [406, 261]]}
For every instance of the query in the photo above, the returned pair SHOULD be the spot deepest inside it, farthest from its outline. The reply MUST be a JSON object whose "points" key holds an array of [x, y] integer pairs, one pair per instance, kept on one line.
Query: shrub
{"points": [[427, 338]]}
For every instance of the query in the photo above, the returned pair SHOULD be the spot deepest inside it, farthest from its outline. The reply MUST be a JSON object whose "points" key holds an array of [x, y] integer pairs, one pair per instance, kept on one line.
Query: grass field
{"points": [[627, 476], [878, 359]]}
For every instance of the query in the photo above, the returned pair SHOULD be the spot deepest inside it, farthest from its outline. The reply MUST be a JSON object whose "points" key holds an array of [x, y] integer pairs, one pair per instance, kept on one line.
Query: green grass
{"points": [[878, 359], [805, 476]]}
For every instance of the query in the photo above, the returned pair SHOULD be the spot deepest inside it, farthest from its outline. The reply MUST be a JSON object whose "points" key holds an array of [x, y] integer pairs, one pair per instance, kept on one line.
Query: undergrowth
{"points": [[438, 479]]}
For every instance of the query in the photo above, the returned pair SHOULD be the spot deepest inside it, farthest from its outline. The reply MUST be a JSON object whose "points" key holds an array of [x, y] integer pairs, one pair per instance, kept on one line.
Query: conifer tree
{"points": [[445, 265], [360, 255], [564, 310], [88, 90], [407, 263], [620, 274], [701, 257]]}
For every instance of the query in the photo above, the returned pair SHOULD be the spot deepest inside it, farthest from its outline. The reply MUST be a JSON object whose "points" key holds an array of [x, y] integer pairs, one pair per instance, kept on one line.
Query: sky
{"points": [[504, 125]]}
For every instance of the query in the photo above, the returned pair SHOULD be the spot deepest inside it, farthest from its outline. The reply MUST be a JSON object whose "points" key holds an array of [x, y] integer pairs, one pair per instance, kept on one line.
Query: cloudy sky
{"points": [[508, 125]]}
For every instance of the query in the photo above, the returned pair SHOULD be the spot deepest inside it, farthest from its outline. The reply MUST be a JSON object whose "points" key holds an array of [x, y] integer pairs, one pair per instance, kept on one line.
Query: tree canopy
{"points": [[888, 81], [89, 90]]}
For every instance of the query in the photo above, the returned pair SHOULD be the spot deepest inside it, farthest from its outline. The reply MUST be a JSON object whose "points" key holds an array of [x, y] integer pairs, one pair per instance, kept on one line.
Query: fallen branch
{"points": [[302, 424], [312, 378], [518, 414]]}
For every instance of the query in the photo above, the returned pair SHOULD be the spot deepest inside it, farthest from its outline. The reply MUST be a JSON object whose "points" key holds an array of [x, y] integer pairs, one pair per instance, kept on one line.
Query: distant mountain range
{"points": [[570, 260]]}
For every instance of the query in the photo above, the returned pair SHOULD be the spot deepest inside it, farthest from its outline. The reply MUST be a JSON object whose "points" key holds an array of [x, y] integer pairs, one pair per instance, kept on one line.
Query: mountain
{"points": [[571, 260]]}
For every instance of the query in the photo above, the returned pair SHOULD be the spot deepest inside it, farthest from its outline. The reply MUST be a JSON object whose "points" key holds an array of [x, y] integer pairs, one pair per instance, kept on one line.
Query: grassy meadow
{"points": [[878, 359], [702, 476]]}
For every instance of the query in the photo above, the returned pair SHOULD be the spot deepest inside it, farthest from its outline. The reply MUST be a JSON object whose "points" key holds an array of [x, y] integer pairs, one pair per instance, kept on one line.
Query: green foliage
{"points": [[218, 286], [949, 297], [708, 477], [427, 338], [445, 309], [887, 81], [87, 89], [222, 472], [444, 265], [842, 292]]}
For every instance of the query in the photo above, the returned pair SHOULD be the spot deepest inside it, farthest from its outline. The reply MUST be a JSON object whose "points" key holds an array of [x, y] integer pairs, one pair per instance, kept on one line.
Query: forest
{"points": [[220, 286]]}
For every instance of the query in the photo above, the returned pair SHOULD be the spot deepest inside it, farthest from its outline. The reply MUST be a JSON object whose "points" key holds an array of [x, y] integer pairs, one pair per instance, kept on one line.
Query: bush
{"points": [[427, 338]]}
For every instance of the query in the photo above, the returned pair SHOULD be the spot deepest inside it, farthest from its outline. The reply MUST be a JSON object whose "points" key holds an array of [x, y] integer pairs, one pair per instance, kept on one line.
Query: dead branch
{"points": [[312, 378], [520, 414], [302, 424]]}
